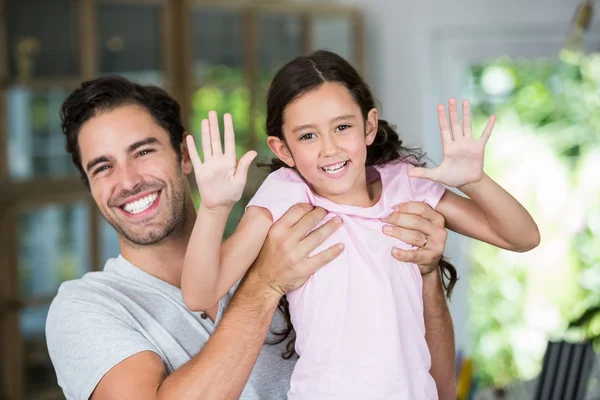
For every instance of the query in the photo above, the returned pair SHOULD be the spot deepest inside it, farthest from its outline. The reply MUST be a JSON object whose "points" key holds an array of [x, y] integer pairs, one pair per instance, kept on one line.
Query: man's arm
{"points": [[219, 371], [413, 223], [439, 334], [223, 366]]}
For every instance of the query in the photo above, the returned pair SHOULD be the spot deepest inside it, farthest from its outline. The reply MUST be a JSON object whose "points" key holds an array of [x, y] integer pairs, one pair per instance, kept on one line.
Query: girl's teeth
{"points": [[335, 168]]}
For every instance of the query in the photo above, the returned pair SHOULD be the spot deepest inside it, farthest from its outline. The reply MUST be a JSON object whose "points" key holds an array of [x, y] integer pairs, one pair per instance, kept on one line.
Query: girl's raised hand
{"points": [[220, 178], [462, 161]]}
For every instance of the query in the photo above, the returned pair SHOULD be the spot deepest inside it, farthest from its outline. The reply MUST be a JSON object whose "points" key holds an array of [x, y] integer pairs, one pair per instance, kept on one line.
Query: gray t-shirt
{"points": [[105, 317]]}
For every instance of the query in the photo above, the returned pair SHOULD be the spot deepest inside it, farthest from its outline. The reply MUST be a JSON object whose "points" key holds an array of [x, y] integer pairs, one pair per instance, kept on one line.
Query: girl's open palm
{"points": [[462, 160], [220, 178]]}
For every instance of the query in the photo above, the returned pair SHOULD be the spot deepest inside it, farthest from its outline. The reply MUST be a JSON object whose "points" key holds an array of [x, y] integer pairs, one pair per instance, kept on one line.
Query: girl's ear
{"points": [[371, 126], [281, 150]]}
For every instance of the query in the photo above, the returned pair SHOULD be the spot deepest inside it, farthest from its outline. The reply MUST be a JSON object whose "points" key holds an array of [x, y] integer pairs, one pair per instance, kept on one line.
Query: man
{"points": [[126, 333]]}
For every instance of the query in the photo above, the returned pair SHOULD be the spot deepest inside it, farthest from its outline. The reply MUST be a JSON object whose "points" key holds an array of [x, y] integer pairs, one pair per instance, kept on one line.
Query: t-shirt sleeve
{"points": [[426, 190], [85, 342], [280, 191]]}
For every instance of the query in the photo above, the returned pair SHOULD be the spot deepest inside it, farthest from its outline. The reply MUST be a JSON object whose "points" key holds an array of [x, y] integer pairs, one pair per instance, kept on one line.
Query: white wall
{"points": [[416, 52]]}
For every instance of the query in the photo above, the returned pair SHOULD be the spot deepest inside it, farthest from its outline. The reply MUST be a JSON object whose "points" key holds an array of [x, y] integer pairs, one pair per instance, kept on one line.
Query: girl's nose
{"points": [[329, 147]]}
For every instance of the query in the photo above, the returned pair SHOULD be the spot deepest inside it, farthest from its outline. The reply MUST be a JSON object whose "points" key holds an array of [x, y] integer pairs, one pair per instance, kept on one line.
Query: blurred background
{"points": [[535, 64]]}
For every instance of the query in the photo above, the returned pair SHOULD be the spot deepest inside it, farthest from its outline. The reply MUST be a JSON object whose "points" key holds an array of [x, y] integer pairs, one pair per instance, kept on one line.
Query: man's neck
{"points": [[163, 260]]}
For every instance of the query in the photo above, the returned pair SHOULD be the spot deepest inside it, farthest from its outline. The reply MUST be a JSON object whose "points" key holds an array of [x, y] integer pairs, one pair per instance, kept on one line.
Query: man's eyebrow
{"points": [[133, 147], [141, 143], [95, 162]]}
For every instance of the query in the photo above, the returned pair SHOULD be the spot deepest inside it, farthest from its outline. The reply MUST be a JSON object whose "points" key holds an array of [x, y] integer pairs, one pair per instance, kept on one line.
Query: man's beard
{"points": [[155, 232]]}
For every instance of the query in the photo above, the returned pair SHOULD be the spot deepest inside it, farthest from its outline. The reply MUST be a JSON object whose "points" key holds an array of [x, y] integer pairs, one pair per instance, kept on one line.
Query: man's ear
{"points": [[371, 126], [186, 162], [281, 150]]}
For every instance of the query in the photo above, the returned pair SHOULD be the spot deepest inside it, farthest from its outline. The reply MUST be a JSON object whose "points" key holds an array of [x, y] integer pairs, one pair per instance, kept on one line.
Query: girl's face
{"points": [[326, 140]]}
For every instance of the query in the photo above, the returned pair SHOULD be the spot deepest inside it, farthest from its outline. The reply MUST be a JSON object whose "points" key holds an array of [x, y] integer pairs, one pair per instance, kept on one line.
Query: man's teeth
{"points": [[136, 207], [335, 168]]}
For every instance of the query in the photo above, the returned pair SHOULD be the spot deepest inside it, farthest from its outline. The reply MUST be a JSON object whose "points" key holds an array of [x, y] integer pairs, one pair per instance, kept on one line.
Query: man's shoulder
{"points": [[96, 284], [89, 330], [75, 299], [83, 289], [88, 296]]}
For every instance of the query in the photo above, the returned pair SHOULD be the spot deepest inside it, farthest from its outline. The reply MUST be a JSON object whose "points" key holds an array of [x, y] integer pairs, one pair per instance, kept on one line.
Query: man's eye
{"points": [[100, 169], [144, 152]]}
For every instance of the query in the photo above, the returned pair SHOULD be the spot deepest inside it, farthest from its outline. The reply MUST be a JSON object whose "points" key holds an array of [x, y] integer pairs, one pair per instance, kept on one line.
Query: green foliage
{"points": [[546, 152], [587, 313]]}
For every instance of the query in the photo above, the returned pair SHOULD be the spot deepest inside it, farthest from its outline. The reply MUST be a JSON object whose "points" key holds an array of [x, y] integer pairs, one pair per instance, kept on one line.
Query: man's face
{"points": [[134, 173]]}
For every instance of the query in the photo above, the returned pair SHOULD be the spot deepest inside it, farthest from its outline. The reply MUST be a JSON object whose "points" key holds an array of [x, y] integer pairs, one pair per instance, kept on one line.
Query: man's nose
{"points": [[129, 178]]}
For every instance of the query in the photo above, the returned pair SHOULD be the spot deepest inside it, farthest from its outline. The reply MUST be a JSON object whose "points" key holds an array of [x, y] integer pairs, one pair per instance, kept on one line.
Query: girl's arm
{"points": [[490, 213], [211, 269]]}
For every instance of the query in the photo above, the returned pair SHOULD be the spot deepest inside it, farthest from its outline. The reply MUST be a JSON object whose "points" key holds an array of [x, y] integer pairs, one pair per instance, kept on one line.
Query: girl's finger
{"points": [[466, 121], [206, 146], [229, 136], [215, 133], [193, 152]]}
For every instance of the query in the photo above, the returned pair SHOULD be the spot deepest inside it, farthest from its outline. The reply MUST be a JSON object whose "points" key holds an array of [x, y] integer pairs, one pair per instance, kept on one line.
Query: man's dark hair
{"points": [[109, 92]]}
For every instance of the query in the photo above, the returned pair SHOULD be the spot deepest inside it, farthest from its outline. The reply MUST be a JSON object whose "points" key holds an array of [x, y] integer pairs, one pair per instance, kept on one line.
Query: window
{"points": [[36, 147], [207, 56]]}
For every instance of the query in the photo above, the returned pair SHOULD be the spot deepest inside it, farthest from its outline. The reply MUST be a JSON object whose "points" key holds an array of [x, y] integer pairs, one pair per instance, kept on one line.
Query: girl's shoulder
{"points": [[280, 190], [285, 176], [402, 186], [395, 170]]}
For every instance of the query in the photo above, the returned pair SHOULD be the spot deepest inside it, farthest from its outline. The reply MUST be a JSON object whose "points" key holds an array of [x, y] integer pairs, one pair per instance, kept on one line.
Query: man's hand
{"points": [[284, 263], [417, 224]]}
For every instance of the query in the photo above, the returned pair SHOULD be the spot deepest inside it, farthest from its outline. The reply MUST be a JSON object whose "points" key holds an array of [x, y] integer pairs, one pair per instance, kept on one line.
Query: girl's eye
{"points": [[308, 136], [343, 127]]}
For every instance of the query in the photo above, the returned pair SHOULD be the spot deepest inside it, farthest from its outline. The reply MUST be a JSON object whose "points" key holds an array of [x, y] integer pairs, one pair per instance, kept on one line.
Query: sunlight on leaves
{"points": [[546, 152]]}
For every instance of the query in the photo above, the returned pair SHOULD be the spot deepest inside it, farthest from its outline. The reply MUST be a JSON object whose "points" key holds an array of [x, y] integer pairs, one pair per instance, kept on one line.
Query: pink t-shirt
{"points": [[359, 319]]}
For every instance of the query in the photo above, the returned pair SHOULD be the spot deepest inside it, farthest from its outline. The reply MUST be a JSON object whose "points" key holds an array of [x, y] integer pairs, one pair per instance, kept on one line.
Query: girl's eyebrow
{"points": [[342, 117], [309, 126], [301, 127]]}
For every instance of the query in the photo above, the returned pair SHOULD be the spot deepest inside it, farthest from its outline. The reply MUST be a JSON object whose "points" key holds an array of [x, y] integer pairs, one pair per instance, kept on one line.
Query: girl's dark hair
{"points": [[307, 73]]}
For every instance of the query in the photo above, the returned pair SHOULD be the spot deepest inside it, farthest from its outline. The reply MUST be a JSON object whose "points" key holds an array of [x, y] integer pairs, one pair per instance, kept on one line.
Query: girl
{"points": [[359, 320]]}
